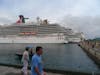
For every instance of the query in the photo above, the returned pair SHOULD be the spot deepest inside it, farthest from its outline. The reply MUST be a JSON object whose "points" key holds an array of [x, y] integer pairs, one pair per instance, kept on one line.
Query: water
{"points": [[56, 56]]}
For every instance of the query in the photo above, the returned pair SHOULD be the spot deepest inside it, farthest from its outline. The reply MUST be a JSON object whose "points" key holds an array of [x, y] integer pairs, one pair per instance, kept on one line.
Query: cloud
{"points": [[85, 7], [51, 9], [90, 26]]}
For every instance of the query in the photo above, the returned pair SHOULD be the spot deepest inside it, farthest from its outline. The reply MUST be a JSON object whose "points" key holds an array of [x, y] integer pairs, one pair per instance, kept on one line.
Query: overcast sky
{"points": [[82, 15]]}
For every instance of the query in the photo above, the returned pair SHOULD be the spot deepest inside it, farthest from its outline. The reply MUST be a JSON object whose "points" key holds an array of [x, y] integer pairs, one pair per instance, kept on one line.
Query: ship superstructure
{"points": [[41, 32]]}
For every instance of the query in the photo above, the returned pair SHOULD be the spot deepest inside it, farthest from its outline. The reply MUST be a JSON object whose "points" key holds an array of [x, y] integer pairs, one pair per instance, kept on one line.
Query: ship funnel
{"points": [[45, 21], [21, 19], [39, 21]]}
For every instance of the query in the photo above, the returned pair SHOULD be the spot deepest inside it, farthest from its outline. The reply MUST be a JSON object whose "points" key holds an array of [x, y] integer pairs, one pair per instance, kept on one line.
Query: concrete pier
{"points": [[4, 70], [91, 48]]}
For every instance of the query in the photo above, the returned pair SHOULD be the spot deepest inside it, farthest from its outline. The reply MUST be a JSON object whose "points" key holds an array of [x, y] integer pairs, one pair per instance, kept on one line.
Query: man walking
{"points": [[37, 67]]}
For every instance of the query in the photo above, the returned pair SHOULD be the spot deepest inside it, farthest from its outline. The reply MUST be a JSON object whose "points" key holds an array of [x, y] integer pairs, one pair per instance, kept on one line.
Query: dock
{"points": [[92, 50], [4, 70]]}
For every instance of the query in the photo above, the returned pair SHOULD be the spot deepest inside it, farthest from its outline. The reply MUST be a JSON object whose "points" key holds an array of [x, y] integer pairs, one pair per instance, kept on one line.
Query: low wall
{"points": [[93, 53]]}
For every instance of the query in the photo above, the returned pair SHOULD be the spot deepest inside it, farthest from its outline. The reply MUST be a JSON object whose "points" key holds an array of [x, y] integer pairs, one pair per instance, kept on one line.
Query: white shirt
{"points": [[25, 57]]}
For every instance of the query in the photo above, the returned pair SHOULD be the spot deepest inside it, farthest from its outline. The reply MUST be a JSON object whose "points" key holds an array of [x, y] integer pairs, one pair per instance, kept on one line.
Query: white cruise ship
{"points": [[40, 32]]}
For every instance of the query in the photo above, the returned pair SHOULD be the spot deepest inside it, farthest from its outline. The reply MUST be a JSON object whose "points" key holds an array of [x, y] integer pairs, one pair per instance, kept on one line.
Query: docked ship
{"points": [[37, 32]]}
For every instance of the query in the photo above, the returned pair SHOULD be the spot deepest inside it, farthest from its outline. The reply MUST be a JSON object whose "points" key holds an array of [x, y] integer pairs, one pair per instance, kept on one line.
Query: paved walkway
{"points": [[14, 71]]}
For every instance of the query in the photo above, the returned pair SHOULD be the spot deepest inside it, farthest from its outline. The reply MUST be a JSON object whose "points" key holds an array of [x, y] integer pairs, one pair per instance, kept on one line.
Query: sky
{"points": [[80, 15]]}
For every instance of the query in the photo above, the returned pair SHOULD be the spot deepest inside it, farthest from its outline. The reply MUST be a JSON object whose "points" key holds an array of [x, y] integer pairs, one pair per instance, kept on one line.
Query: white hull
{"points": [[32, 40], [74, 39]]}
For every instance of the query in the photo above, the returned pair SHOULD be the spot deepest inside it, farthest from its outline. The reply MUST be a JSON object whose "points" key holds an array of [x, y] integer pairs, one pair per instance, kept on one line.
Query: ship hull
{"points": [[32, 40]]}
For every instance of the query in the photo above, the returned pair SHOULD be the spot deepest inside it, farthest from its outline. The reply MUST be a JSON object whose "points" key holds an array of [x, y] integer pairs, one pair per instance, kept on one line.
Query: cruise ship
{"points": [[39, 32]]}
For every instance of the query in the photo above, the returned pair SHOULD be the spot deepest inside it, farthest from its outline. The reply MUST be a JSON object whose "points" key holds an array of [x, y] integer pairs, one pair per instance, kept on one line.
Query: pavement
{"points": [[4, 70]]}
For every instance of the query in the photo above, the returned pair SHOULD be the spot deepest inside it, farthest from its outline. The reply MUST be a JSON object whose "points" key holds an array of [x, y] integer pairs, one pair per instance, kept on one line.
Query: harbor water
{"points": [[67, 57]]}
